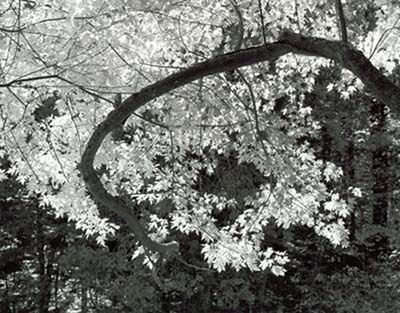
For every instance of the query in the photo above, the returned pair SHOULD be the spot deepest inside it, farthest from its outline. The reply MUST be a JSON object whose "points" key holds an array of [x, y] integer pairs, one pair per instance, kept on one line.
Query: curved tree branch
{"points": [[288, 42]]}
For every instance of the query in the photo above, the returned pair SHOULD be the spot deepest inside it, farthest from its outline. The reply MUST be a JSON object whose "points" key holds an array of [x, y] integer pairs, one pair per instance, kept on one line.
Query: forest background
{"points": [[199, 156]]}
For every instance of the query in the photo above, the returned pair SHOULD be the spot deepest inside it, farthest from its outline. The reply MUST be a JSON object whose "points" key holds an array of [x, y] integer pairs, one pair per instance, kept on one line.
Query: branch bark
{"points": [[341, 21], [350, 58]]}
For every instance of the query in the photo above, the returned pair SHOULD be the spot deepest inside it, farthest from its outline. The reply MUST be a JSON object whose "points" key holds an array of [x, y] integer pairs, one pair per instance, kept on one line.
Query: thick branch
{"points": [[345, 55], [341, 20]]}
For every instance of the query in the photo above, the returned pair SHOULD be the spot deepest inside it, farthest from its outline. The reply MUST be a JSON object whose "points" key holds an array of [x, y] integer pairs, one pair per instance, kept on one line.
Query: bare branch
{"points": [[262, 22], [29, 79], [240, 32]]}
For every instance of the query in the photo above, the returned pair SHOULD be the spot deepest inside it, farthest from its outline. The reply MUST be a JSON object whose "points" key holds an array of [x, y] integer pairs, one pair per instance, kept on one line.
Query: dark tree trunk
{"points": [[84, 300], [380, 178], [57, 276], [44, 267], [326, 143], [380, 165], [348, 171]]}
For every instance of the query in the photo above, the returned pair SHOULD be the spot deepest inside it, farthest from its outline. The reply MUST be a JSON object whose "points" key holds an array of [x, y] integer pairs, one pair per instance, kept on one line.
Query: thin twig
{"points": [[19, 81], [51, 145], [262, 22], [78, 135], [23, 113], [127, 63], [384, 36]]}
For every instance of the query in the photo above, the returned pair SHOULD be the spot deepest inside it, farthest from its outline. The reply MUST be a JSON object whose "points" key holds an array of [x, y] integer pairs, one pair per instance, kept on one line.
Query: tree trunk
{"points": [[84, 300], [44, 268], [380, 175], [57, 276], [348, 170], [380, 165]]}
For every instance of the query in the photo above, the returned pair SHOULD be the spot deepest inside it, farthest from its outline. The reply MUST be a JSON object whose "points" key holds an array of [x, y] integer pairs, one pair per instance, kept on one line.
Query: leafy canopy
{"points": [[64, 64]]}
